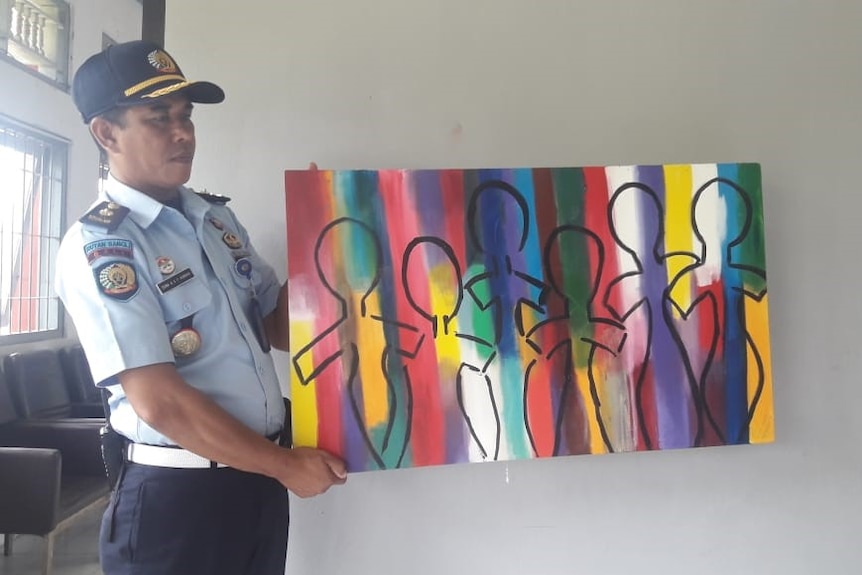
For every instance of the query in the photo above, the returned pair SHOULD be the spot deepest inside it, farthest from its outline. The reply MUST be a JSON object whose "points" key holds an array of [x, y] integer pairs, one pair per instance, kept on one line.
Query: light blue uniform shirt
{"points": [[110, 285]]}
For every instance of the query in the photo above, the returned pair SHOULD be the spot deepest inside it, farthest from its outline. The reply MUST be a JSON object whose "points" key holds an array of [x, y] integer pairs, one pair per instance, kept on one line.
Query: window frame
{"points": [[62, 152], [65, 57]]}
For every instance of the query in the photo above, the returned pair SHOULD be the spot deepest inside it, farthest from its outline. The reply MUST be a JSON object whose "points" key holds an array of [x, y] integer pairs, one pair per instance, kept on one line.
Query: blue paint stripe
{"points": [[735, 350], [530, 260]]}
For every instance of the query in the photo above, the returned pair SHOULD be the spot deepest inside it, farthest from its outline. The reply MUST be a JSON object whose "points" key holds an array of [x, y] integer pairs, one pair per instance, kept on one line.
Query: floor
{"points": [[76, 550]]}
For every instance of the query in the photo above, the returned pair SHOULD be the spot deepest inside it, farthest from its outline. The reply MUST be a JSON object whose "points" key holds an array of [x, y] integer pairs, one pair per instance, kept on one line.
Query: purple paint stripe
{"points": [[429, 203], [672, 397]]}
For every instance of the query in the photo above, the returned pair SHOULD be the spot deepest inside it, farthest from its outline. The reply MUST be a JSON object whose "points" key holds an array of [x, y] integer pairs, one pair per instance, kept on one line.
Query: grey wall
{"points": [[28, 99], [402, 83]]}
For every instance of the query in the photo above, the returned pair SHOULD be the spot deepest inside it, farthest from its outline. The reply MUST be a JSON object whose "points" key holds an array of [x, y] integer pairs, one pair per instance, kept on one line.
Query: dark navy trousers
{"points": [[222, 521]]}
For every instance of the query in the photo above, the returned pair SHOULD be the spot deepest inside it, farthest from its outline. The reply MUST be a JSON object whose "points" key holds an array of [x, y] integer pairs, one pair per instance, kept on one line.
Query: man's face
{"points": [[154, 146]]}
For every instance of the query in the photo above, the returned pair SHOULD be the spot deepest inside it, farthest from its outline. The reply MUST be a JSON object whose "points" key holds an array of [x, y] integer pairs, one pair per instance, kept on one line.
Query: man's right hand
{"points": [[310, 471]]}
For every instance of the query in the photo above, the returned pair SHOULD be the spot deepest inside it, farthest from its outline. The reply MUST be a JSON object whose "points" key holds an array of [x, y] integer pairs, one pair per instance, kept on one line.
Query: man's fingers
{"points": [[337, 466], [312, 166]]}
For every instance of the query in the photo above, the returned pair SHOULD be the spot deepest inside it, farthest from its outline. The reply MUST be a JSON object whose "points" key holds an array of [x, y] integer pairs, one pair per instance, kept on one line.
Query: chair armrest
{"points": [[29, 490], [77, 440]]}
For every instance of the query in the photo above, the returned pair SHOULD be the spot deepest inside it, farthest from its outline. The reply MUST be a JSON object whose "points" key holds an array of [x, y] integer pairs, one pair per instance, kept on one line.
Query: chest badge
{"points": [[243, 267], [166, 265], [231, 241], [186, 342]]}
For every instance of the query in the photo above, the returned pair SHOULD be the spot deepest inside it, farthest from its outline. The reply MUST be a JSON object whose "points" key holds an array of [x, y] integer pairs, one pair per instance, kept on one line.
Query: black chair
{"points": [[51, 474], [40, 390], [76, 368]]}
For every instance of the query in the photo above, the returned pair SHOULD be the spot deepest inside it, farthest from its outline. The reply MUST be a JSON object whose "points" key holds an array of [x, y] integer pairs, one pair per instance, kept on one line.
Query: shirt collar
{"points": [[142, 208]]}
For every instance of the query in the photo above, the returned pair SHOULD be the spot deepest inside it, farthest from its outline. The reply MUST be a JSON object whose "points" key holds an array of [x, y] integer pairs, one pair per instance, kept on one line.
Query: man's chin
{"points": [[179, 175]]}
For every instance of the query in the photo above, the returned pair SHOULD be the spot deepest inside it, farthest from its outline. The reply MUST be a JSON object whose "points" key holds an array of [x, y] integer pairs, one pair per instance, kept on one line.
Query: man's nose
{"points": [[183, 130]]}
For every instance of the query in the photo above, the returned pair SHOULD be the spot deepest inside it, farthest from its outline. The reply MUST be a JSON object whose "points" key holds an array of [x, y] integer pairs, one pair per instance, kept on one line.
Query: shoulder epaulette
{"points": [[107, 215], [213, 198]]}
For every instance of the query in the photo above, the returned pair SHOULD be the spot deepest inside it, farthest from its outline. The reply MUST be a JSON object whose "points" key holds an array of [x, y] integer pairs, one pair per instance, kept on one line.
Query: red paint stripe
{"points": [[540, 410], [715, 399], [452, 197], [309, 207], [427, 434], [596, 200], [650, 413], [543, 397]]}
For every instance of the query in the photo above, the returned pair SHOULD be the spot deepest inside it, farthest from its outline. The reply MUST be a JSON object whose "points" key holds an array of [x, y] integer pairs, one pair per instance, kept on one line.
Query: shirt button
{"points": [[187, 306], [260, 370], [243, 327]]}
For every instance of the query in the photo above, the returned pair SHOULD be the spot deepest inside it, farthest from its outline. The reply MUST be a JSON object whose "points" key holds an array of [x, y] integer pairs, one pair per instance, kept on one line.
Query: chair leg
{"points": [[49, 554], [7, 544]]}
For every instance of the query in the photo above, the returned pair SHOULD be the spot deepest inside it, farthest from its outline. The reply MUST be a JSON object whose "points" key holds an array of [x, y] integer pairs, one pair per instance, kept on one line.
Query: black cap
{"points": [[133, 73]]}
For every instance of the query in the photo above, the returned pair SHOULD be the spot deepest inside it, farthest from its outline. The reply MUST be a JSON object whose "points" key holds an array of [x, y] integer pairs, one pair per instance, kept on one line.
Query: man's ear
{"points": [[105, 133]]}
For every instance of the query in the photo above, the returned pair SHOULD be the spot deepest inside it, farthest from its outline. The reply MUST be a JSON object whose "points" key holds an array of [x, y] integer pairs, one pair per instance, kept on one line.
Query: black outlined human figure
{"points": [[466, 396], [666, 402], [382, 413], [589, 390], [498, 222], [722, 286]]}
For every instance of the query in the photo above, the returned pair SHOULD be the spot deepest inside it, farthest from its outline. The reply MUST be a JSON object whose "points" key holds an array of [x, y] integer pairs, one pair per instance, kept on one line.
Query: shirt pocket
{"points": [[184, 300]]}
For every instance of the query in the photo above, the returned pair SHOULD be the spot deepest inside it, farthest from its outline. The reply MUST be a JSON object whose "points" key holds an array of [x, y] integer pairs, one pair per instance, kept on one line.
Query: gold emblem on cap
{"points": [[161, 62], [186, 342]]}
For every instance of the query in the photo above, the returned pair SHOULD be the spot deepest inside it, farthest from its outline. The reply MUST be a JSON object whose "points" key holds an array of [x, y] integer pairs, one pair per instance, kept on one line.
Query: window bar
{"points": [[47, 231], [30, 219], [37, 231], [5, 270]]}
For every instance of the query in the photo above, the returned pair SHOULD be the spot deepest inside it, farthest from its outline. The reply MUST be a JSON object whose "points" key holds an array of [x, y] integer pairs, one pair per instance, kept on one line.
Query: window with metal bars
{"points": [[32, 184]]}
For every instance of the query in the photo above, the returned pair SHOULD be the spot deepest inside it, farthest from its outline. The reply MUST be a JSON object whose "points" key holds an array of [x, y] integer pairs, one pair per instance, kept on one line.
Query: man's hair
{"points": [[115, 116]]}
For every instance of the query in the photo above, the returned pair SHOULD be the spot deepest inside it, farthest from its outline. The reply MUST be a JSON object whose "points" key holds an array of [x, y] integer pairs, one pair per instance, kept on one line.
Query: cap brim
{"points": [[201, 92]]}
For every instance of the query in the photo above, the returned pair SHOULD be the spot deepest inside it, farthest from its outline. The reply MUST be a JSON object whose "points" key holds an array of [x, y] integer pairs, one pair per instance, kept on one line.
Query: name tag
{"points": [[175, 280]]}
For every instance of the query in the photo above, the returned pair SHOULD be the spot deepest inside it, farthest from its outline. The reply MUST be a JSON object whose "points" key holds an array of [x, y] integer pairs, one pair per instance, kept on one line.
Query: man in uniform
{"points": [[177, 312]]}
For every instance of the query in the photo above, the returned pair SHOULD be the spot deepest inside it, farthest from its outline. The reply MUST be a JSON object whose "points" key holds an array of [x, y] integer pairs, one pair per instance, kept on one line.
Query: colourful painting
{"points": [[452, 316]]}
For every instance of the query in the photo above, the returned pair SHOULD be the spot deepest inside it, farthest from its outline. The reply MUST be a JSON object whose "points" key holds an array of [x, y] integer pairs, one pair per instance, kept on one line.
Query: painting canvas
{"points": [[468, 315]]}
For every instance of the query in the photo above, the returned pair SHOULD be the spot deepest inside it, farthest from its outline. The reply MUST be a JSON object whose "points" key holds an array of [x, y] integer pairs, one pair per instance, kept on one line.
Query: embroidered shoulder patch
{"points": [[107, 215], [111, 247], [117, 280]]}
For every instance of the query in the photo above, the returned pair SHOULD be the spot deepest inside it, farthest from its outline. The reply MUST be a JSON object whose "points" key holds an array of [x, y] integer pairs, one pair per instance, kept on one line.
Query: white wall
{"points": [[403, 83], [28, 99]]}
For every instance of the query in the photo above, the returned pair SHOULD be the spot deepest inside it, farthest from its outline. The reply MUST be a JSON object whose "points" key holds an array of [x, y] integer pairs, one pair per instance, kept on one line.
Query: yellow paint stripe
{"points": [[678, 232], [762, 428], [597, 443], [303, 398], [371, 343], [442, 284]]}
